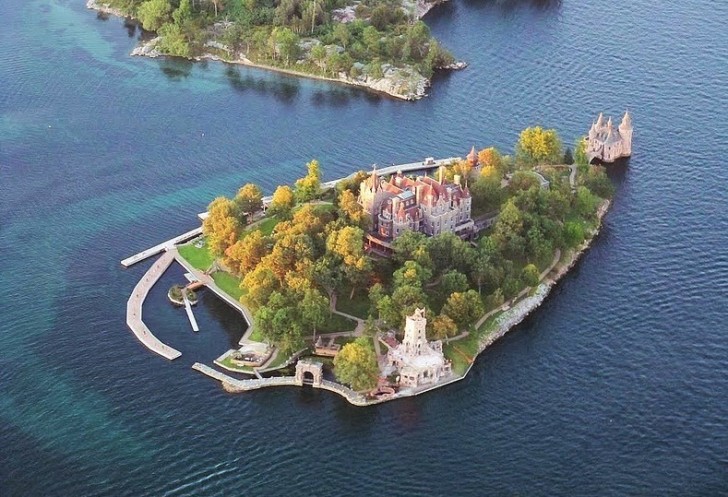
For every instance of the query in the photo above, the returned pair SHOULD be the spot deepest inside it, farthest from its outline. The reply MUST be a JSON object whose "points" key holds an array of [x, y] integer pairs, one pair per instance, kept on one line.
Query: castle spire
{"points": [[472, 157], [626, 121], [600, 121]]}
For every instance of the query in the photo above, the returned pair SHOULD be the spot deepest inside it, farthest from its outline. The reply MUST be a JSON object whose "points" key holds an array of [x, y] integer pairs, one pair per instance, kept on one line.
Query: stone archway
{"points": [[309, 372]]}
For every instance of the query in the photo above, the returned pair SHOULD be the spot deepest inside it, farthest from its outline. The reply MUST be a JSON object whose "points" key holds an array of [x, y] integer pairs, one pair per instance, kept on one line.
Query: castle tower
{"points": [[600, 122], [625, 131], [415, 339], [472, 158]]}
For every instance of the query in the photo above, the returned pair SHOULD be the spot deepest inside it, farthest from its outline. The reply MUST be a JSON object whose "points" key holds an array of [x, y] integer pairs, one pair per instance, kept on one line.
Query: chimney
{"points": [[456, 179]]}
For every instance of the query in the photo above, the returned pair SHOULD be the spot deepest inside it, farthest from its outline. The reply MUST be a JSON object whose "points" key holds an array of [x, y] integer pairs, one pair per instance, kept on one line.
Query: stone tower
{"points": [[625, 131], [415, 339]]}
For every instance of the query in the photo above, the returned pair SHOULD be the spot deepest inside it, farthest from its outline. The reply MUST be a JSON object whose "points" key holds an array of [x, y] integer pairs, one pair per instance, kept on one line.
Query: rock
{"points": [[148, 49], [345, 15]]}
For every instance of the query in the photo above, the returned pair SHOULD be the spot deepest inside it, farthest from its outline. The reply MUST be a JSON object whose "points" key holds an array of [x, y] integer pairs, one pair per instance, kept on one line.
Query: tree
{"points": [[221, 226], [356, 365], [342, 34], [388, 311], [318, 54], [463, 307], [530, 275], [598, 182], [259, 285], [326, 274], [249, 200], [154, 13], [308, 187], [538, 146], [585, 202], [508, 230], [580, 158], [282, 202], [376, 294], [285, 43], [406, 299], [411, 274], [491, 162], [314, 308], [573, 233], [245, 254], [444, 327], [453, 281], [568, 158], [183, 12], [407, 245], [350, 209]]}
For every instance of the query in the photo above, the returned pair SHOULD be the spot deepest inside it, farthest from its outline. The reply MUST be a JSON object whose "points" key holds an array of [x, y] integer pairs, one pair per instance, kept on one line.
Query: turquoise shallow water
{"points": [[617, 386]]}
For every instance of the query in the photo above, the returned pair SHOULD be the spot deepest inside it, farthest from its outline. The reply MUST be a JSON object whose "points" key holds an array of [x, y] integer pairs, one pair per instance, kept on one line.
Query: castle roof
{"points": [[626, 121], [472, 157]]}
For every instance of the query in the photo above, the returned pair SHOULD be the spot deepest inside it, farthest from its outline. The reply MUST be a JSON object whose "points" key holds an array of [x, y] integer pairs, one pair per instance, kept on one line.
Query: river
{"points": [[617, 386]]}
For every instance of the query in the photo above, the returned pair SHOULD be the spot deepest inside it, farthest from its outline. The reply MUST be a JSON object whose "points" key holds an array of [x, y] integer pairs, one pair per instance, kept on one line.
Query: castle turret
{"points": [[415, 338], [625, 130], [472, 157], [600, 121]]}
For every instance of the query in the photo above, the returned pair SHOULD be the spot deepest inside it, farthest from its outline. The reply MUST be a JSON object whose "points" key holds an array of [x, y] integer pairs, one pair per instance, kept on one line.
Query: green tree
{"points": [[356, 365], [249, 200], [388, 311], [573, 233], [585, 202], [376, 294], [444, 327], [282, 202], [173, 41], [221, 227], [154, 13], [580, 158], [411, 274], [453, 281], [342, 34], [183, 13], [318, 54], [285, 43], [308, 187], [314, 309], [463, 307], [406, 299], [530, 275], [538, 146], [508, 230]]}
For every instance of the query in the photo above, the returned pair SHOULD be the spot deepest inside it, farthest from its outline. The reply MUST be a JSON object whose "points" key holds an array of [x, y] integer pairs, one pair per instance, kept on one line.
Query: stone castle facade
{"points": [[418, 361], [607, 143], [423, 204]]}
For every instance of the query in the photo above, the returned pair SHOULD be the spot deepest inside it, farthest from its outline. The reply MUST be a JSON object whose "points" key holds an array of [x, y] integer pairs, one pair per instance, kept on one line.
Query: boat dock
{"points": [[134, 308], [130, 261], [190, 316]]}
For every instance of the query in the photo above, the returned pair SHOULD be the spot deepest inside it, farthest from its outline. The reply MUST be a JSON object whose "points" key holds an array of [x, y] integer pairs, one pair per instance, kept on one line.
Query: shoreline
{"points": [[516, 313], [147, 49]]}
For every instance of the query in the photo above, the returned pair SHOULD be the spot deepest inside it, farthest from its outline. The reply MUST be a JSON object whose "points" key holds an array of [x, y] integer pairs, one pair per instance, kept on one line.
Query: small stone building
{"points": [[607, 143], [418, 361]]}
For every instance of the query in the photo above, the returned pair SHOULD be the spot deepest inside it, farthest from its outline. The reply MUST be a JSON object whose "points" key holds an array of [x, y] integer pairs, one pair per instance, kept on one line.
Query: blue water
{"points": [[617, 386]]}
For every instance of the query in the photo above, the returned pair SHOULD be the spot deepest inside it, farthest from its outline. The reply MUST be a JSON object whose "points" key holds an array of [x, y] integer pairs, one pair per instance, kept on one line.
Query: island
{"points": [[387, 283], [381, 45]]}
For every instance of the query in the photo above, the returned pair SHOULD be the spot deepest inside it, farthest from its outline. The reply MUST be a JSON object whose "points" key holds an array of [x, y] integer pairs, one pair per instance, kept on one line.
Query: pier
{"points": [[190, 316], [145, 254], [134, 309]]}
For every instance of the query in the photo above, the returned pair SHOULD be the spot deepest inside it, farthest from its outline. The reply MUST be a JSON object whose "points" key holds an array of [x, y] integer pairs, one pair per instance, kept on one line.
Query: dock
{"points": [[190, 316], [134, 309], [145, 254]]}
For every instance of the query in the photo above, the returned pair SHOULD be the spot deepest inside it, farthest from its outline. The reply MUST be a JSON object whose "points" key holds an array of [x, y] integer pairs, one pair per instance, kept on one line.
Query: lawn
{"points": [[200, 258], [228, 284], [228, 363], [267, 225], [358, 306], [335, 324]]}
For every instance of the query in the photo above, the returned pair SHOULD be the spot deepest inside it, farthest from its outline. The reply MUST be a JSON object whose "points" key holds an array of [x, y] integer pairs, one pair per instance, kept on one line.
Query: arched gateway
{"points": [[309, 372]]}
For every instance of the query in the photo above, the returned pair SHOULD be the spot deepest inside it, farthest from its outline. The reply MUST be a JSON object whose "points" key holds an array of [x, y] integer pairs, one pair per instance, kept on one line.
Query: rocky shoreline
{"points": [[396, 82]]}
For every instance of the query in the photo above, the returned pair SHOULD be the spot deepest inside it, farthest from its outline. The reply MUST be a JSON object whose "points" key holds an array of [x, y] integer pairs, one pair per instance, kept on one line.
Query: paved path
{"points": [[359, 322], [161, 247], [136, 301], [557, 257]]}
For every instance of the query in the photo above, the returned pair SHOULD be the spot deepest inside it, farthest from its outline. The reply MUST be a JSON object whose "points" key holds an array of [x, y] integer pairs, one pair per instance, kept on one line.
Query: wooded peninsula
{"points": [[378, 44]]}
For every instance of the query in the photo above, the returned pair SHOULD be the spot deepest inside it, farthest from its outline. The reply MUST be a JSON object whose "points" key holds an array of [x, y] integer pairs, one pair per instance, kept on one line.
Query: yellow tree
{"points": [[490, 161], [348, 245], [245, 254], [356, 365], [539, 146], [350, 208], [308, 187], [444, 327], [249, 200], [283, 201], [221, 227]]}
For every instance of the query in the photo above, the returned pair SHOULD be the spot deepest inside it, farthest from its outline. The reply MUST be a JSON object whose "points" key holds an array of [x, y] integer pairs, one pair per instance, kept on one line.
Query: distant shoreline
{"points": [[146, 49]]}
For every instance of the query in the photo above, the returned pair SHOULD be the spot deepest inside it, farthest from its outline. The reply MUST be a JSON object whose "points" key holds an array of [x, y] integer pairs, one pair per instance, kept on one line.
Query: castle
{"points": [[419, 362], [607, 143], [423, 204]]}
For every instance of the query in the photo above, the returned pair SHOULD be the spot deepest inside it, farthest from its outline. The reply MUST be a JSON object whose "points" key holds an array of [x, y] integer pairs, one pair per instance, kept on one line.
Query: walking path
{"points": [[134, 308], [129, 261], [359, 321]]}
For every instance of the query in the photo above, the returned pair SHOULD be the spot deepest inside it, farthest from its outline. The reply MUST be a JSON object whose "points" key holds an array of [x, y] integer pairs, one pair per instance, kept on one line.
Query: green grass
{"points": [[257, 336], [200, 258], [344, 340], [267, 225], [278, 361], [229, 284], [358, 306], [336, 323], [228, 362]]}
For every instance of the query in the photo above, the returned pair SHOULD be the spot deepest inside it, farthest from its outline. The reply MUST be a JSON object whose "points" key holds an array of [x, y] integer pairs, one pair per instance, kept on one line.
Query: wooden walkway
{"points": [[129, 261], [134, 308], [190, 316]]}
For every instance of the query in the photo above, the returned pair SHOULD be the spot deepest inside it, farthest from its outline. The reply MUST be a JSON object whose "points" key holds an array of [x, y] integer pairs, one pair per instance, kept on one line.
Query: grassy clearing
{"points": [[200, 258], [257, 336], [335, 323], [278, 361], [358, 306], [228, 363], [229, 284]]}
